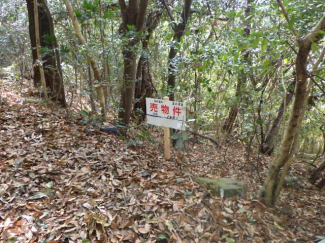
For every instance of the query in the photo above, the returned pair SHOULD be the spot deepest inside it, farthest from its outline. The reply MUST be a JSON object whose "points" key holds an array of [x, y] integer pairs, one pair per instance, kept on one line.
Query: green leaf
{"points": [[292, 21], [49, 39], [240, 31], [264, 44], [108, 14], [150, 42], [39, 195], [242, 210], [266, 63], [162, 237], [169, 225], [88, 6], [122, 137], [49, 184], [255, 43], [278, 226], [78, 14], [230, 240], [85, 241], [12, 239], [314, 46], [131, 27]]}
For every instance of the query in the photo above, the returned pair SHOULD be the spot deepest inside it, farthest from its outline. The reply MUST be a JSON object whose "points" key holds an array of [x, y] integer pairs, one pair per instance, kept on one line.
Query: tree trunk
{"points": [[51, 60], [267, 146], [283, 160], [39, 63], [91, 92], [144, 87], [91, 60], [229, 122], [317, 174], [179, 31], [133, 15], [128, 86]]}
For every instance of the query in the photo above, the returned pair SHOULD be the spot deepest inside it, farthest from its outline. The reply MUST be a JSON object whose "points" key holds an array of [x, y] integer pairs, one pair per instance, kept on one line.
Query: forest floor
{"points": [[63, 181]]}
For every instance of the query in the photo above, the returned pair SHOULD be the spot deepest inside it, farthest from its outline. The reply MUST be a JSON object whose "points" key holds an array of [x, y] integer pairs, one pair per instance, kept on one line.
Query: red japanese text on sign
{"points": [[176, 110], [153, 107], [165, 113], [165, 109]]}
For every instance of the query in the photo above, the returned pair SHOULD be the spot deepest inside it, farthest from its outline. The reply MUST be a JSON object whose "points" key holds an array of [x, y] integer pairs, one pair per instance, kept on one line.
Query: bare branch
{"points": [[223, 19], [321, 89], [283, 10], [315, 69], [319, 60], [315, 34], [186, 11], [169, 13], [292, 48], [214, 30], [285, 13], [206, 137]]}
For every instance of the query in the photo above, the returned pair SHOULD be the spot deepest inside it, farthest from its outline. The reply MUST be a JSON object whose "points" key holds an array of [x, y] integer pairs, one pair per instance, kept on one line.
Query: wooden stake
{"points": [[167, 138]]}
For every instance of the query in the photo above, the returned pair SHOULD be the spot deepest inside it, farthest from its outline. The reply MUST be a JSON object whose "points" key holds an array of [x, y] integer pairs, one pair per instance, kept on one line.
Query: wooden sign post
{"points": [[167, 137], [166, 114]]}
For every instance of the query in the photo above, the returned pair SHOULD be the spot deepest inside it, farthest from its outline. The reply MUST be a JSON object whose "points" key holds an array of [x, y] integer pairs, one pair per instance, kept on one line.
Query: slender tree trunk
{"points": [[144, 87], [81, 87], [106, 68], [179, 31], [229, 122], [91, 91], [322, 128], [127, 96], [39, 58], [91, 60], [316, 175], [267, 146], [51, 60], [196, 102], [133, 14], [281, 163]]}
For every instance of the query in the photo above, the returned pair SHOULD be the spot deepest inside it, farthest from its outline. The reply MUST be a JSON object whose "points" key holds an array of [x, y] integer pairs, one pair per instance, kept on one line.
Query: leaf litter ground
{"points": [[62, 181]]}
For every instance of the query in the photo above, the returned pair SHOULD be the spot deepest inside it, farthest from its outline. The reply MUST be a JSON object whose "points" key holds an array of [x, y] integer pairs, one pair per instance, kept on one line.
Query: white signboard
{"points": [[166, 113]]}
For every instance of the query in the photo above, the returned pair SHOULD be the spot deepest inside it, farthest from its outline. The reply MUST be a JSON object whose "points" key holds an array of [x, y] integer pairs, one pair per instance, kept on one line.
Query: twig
{"points": [[312, 79], [214, 30], [169, 13], [292, 48], [305, 162], [206, 137], [258, 168], [285, 13], [314, 70], [318, 76]]}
